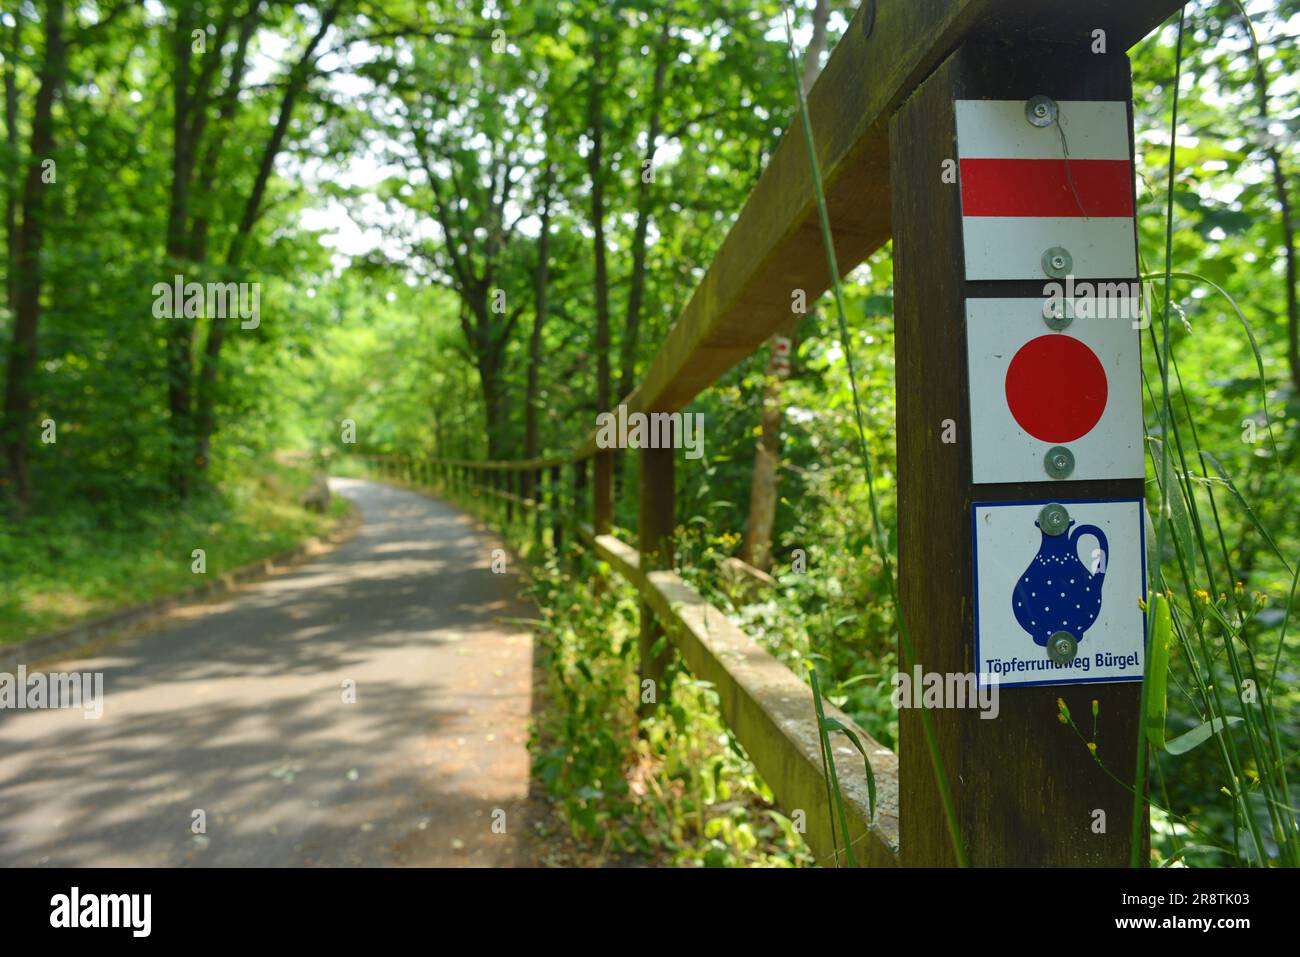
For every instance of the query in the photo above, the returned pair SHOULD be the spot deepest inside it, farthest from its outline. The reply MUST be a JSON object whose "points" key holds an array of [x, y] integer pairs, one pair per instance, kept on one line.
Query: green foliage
{"points": [[84, 560], [673, 788], [419, 132]]}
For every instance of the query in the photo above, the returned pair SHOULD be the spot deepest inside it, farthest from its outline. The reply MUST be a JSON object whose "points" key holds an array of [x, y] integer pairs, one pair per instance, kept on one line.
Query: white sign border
{"points": [[1003, 452], [983, 677]]}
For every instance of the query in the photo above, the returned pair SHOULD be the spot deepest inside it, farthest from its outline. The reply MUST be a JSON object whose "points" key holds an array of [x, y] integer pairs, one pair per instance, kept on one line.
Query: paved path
{"points": [[237, 709]]}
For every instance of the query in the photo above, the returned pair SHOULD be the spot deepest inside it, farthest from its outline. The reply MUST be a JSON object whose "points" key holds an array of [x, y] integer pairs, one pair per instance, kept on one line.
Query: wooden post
{"points": [[656, 522], [580, 490], [509, 481], [556, 499], [538, 516], [603, 493], [1026, 790]]}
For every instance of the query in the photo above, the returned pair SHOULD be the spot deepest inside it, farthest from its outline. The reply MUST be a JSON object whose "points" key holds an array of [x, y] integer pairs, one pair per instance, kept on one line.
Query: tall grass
{"points": [[1212, 620], [879, 537], [1232, 696]]}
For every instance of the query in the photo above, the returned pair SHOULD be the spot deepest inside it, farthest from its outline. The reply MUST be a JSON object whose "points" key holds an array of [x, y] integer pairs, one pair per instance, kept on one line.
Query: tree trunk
{"points": [[812, 64], [1288, 228], [764, 487], [206, 176], [297, 82], [11, 177], [531, 449], [31, 237], [636, 290], [595, 164], [494, 404], [180, 330]]}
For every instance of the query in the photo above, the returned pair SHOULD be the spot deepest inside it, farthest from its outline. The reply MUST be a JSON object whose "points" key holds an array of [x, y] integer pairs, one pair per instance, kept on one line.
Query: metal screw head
{"points": [[1058, 313], [1062, 647], [1040, 110], [1059, 462], [1053, 519], [1057, 262]]}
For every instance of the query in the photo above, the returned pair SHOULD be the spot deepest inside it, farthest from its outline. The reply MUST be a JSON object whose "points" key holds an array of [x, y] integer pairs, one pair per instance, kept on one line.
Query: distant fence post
{"points": [[556, 499], [603, 492], [656, 523], [580, 491], [1026, 789]]}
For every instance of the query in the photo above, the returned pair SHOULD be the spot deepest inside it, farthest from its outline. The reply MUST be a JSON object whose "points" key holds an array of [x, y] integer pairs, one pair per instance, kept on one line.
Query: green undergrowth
{"points": [[82, 560], [672, 788], [830, 615]]}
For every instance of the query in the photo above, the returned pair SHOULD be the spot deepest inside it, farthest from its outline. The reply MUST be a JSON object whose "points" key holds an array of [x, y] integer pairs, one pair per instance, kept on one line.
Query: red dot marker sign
{"points": [[1034, 390], [1056, 388]]}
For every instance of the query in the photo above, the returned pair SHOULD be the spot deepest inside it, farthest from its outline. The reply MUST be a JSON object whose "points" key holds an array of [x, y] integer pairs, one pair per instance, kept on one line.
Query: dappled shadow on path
{"points": [[238, 711]]}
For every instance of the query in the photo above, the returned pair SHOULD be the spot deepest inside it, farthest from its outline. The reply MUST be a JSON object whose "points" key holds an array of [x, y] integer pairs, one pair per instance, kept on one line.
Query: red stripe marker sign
{"points": [[1029, 190]]}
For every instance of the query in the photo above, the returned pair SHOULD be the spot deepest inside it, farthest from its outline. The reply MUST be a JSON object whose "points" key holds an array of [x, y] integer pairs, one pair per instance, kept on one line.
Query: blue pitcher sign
{"points": [[1058, 585]]}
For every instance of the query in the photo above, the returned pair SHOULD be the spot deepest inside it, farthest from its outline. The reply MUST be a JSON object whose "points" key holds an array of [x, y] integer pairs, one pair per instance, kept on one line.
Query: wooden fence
{"points": [[882, 115]]}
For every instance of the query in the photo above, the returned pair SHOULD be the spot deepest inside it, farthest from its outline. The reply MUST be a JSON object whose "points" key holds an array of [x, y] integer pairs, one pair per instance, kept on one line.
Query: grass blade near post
{"points": [[835, 795], [1166, 415], [879, 539]]}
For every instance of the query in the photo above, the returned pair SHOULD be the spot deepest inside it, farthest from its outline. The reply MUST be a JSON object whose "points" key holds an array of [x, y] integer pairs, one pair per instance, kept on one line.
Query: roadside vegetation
{"points": [[78, 563]]}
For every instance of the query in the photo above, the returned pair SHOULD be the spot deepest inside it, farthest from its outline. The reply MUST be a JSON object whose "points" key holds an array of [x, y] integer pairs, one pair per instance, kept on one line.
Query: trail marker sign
{"points": [[1039, 394], [1057, 590], [1044, 201]]}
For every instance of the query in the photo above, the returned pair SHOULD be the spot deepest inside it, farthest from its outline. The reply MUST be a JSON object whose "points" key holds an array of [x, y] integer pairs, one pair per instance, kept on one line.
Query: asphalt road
{"points": [[237, 710]]}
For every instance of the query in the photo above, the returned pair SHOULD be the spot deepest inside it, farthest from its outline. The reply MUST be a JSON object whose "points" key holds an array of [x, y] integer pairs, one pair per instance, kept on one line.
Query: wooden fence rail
{"points": [[882, 116]]}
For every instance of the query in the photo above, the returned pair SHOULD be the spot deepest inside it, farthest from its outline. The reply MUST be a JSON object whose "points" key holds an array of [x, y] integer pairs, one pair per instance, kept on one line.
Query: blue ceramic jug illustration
{"points": [[1058, 592]]}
